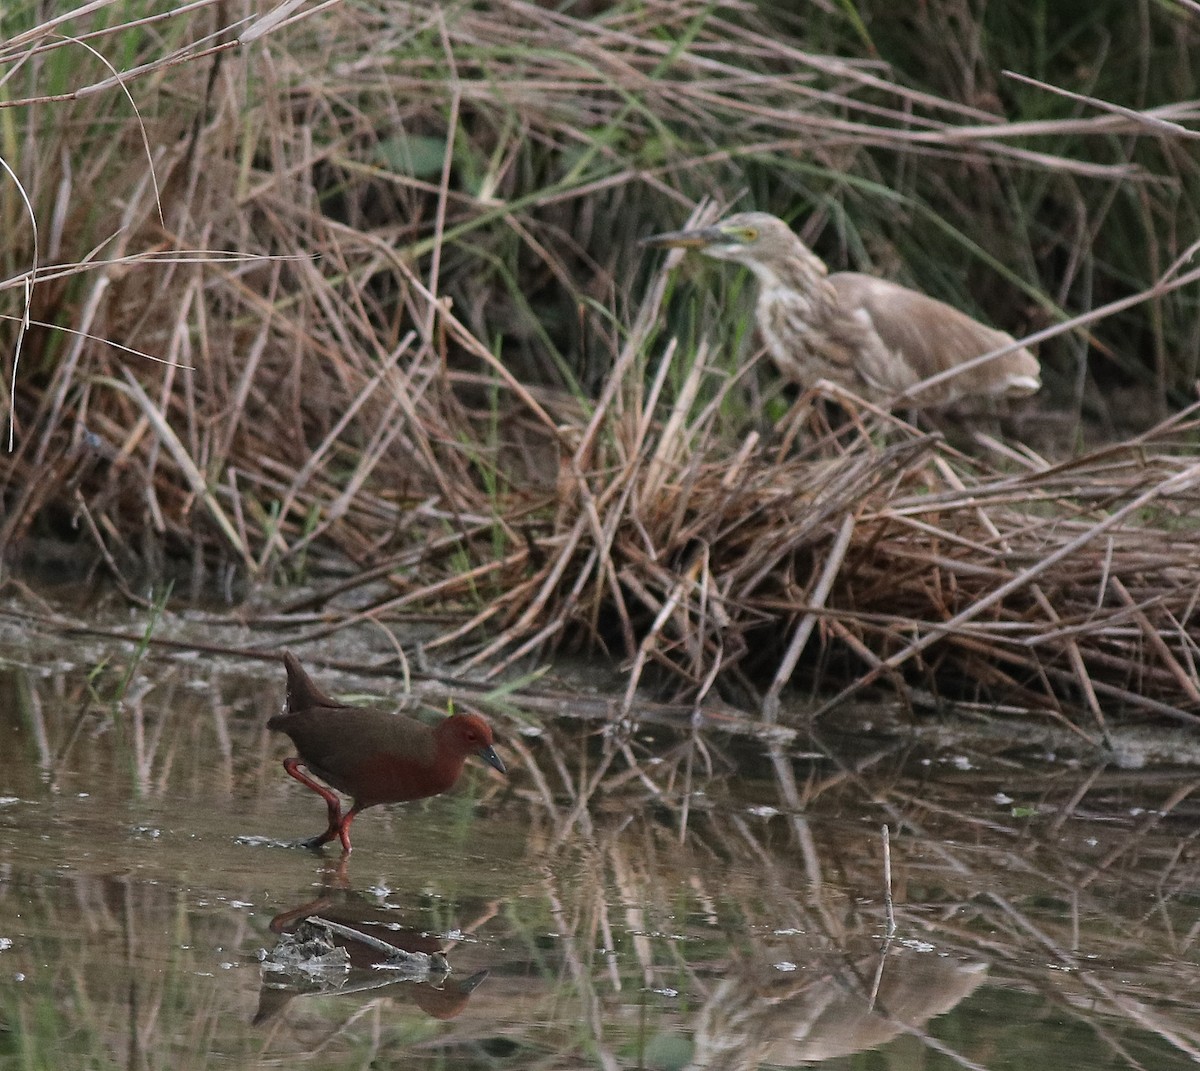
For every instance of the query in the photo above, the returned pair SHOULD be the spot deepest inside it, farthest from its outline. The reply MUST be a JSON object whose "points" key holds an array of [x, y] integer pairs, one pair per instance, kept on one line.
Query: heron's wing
{"points": [[920, 336]]}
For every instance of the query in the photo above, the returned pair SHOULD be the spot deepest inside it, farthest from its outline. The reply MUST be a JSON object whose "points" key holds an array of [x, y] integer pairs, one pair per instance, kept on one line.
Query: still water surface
{"points": [[694, 903]]}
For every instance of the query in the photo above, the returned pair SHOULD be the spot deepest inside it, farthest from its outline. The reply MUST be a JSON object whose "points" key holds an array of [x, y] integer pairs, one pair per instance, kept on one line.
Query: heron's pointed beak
{"points": [[696, 239]]}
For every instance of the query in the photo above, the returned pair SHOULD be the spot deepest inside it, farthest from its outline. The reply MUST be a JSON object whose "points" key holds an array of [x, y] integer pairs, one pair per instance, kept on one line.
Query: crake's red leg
{"points": [[344, 829], [293, 767]]}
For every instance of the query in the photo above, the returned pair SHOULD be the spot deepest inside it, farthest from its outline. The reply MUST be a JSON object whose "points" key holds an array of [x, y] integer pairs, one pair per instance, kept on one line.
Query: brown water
{"points": [[649, 915]]}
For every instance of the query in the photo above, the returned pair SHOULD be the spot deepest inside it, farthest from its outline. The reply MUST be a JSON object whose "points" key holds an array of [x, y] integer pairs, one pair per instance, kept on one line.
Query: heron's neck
{"points": [[802, 276]]}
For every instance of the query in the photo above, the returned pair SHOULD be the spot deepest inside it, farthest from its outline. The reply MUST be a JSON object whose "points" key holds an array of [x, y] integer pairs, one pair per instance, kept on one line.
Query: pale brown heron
{"points": [[870, 336]]}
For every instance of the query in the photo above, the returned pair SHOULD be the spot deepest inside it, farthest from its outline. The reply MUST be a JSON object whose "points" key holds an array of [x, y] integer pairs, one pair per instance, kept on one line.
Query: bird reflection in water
{"points": [[828, 1010], [341, 944]]}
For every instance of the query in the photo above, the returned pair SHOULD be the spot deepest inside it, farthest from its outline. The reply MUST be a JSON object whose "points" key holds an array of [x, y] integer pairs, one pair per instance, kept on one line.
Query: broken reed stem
{"points": [[890, 930], [887, 882], [837, 553]]}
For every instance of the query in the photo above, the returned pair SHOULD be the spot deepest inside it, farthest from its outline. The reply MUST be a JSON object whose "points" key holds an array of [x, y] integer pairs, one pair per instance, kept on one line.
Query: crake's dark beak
{"points": [[488, 754]]}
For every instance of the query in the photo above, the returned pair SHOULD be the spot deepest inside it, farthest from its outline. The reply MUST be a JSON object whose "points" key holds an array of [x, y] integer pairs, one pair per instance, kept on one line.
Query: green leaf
{"points": [[418, 155]]}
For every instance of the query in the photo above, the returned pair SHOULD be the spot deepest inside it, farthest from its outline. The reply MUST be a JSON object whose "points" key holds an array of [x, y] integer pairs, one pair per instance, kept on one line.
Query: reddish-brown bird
{"points": [[372, 756]]}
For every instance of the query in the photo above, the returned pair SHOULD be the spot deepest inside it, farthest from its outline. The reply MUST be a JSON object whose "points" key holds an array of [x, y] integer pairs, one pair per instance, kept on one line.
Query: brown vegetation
{"points": [[426, 359]]}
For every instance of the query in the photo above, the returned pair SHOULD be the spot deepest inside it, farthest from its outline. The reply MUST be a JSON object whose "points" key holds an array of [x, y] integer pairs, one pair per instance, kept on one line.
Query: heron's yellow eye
{"points": [[749, 234]]}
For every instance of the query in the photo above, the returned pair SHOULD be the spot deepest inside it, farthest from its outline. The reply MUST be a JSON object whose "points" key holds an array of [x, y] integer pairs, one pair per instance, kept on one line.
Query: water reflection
{"points": [[674, 900], [754, 1016], [343, 942]]}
